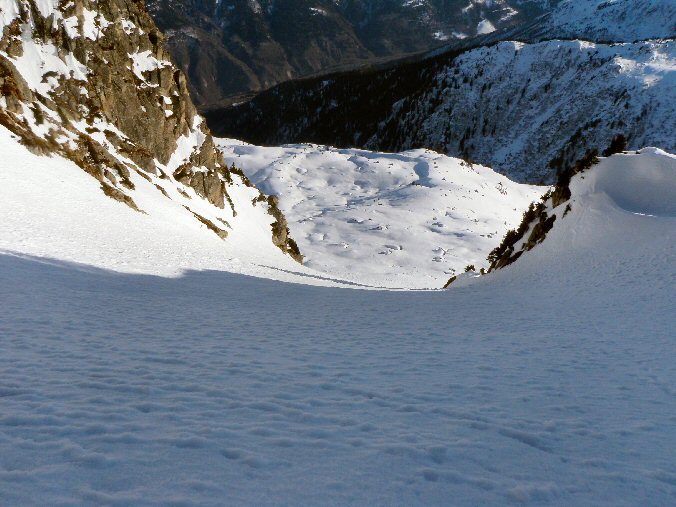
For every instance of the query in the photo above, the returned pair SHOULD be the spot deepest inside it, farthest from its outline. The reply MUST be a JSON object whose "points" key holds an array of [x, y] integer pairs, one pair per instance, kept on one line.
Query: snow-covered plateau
{"points": [[549, 382]]}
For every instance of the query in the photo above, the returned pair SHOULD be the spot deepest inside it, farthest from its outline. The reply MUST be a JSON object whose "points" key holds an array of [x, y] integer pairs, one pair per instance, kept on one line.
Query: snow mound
{"points": [[644, 185], [625, 198]]}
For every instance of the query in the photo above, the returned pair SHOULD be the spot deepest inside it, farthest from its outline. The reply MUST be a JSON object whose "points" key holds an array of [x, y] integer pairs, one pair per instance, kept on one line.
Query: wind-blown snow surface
{"points": [[550, 382], [387, 219]]}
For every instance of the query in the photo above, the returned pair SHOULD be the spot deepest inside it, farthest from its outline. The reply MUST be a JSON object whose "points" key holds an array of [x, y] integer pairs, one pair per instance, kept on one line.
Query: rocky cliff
{"points": [[91, 81]]}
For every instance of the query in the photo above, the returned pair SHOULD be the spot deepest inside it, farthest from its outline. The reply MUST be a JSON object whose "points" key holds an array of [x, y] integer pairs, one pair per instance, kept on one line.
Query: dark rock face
{"points": [[232, 47], [91, 81]]}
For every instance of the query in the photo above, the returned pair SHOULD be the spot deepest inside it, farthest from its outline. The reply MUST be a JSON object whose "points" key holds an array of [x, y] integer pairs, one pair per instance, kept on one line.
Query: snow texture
{"points": [[392, 220], [550, 382]]}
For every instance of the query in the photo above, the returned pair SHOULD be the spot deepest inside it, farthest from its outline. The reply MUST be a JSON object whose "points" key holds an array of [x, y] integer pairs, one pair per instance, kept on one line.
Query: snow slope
{"points": [[50, 208], [358, 215], [550, 382], [394, 220], [91, 82]]}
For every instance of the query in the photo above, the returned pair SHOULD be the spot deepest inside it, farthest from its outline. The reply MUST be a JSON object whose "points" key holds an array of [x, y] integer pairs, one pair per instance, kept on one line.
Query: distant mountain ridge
{"points": [[527, 109], [233, 47]]}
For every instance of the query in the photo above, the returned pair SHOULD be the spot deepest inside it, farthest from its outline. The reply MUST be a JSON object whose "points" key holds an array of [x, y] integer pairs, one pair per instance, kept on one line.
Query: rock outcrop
{"points": [[91, 81]]}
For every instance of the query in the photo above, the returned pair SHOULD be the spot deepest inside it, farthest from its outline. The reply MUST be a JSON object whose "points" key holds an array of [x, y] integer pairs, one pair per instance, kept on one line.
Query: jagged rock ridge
{"points": [[91, 81]]}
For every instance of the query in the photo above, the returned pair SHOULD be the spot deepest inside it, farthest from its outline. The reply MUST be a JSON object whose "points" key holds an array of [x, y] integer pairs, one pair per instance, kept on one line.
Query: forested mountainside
{"points": [[233, 47], [526, 109], [91, 82]]}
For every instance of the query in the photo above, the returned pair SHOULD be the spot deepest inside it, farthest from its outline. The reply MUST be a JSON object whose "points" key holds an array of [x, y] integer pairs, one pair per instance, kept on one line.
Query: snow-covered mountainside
{"points": [[529, 110], [525, 109], [550, 382], [142, 364], [89, 83], [612, 20], [391, 220], [233, 47]]}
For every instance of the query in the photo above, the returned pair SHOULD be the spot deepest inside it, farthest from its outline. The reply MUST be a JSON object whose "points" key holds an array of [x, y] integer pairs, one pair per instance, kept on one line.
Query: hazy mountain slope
{"points": [[596, 21], [550, 382], [615, 20], [91, 82], [231, 47], [387, 219], [525, 110]]}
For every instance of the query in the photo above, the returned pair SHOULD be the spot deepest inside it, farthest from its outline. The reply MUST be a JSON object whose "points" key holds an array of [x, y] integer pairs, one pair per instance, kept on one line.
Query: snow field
{"points": [[51, 208], [409, 219]]}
